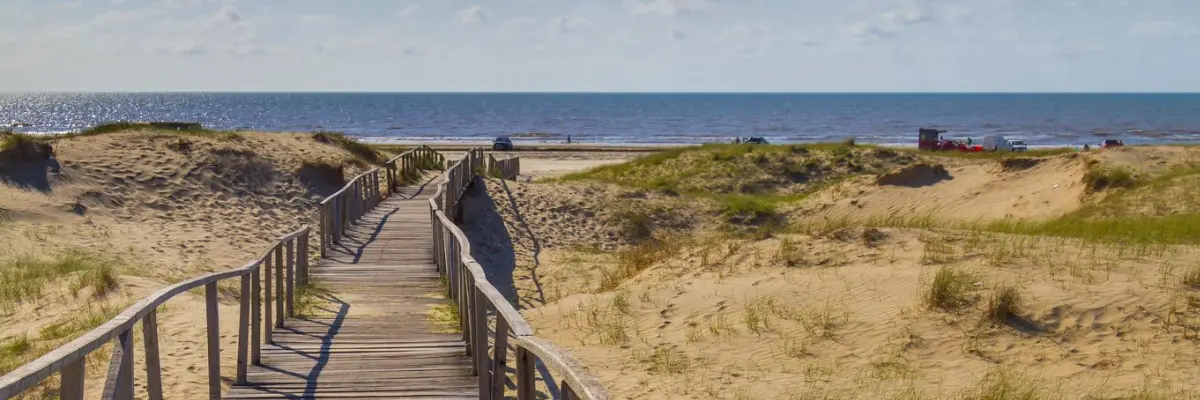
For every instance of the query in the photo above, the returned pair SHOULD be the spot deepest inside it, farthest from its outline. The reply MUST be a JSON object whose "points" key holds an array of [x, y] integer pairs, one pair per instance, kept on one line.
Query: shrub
{"points": [[849, 142]]}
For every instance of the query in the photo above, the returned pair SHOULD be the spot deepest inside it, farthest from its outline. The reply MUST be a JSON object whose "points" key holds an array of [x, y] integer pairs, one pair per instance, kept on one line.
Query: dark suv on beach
{"points": [[502, 143]]}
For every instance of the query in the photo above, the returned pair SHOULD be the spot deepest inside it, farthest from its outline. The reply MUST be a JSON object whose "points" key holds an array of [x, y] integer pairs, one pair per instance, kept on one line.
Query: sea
{"points": [[635, 118]]}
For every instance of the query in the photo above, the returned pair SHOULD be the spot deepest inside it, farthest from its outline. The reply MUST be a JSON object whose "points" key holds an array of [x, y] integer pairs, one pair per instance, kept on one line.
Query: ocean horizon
{"points": [[1040, 119]]}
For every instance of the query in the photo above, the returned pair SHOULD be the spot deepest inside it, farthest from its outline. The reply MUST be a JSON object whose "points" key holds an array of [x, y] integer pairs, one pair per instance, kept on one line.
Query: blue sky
{"points": [[600, 45]]}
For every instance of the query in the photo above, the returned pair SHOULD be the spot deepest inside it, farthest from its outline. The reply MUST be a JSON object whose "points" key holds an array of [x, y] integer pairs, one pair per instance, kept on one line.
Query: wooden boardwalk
{"points": [[373, 337]]}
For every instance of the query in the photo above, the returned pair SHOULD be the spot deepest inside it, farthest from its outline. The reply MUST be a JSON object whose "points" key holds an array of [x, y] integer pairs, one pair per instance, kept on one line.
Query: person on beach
{"points": [[568, 139]]}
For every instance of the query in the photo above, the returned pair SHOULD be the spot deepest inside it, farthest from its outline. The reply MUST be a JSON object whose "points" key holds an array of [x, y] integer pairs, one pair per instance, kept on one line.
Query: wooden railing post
{"points": [[214, 341], [71, 384], [256, 315], [526, 368], [479, 341], [291, 276], [302, 262], [499, 357], [243, 343], [120, 369], [279, 292], [153, 364], [324, 229], [268, 322]]}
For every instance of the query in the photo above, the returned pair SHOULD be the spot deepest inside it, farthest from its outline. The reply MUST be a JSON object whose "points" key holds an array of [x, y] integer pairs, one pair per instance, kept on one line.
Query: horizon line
{"points": [[585, 92]]}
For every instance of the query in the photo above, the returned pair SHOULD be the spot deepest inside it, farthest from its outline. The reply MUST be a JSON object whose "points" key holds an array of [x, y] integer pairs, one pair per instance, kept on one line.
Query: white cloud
{"points": [[669, 8], [891, 23], [227, 13], [676, 34], [1162, 29], [473, 15], [409, 11], [568, 24], [319, 19]]}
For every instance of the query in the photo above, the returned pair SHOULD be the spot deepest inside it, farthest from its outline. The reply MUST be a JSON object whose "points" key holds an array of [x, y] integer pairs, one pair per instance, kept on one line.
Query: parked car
{"points": [[1111, 143], [755, 140], [502, 143], [1017, 145]]}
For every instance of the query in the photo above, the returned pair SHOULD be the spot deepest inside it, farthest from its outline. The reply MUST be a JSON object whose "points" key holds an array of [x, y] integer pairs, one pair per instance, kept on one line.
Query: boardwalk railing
{"points": [[342, 208], [279, 270], [504, 169], [407, 167], [477, 298]]}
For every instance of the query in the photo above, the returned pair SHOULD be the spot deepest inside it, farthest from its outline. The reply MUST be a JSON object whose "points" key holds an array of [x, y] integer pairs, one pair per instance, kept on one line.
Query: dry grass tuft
{"points": [[1004, 305], [667, 360], [1191, 278], [1006, 385], [632, 261], [950, 290]]}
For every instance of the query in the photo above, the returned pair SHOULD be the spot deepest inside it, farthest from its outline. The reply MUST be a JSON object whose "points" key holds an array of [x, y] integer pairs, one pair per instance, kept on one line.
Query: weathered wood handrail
{"points": [[69, 359], [476, 298], [407, 166], [345, 206], [507, 168]]}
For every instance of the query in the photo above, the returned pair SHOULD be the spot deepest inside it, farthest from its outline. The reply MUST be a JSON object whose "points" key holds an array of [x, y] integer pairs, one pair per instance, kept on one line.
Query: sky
{"points": [[601, 45]]}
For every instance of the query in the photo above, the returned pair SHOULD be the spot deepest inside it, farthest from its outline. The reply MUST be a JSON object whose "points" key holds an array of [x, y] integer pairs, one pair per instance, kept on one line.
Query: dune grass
{"points": [[122, 126], [1004, 304], [950, 289], [632, 261], [358, 149], [1009, 385], [23, 348], [22, 147], [25, 277]]}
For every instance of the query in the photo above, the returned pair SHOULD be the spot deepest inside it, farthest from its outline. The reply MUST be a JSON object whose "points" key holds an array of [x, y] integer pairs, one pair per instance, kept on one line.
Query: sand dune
{"points": [[161, 207], [845, 313]]}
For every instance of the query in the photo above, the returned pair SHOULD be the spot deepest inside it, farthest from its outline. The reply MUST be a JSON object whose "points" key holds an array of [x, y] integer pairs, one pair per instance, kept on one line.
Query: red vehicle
{"points": [[1111, 143], [931, 139]]}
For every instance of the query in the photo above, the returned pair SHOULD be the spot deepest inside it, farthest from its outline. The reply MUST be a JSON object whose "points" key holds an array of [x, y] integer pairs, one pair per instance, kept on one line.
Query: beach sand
{"points": [[845, 312]]}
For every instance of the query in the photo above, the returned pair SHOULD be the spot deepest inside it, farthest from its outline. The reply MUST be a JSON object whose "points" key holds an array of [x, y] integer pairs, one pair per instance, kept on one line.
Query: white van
{"points": [[999, 143]]}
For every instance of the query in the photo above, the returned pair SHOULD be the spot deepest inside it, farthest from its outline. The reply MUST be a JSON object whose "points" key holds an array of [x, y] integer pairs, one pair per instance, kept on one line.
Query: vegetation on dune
{"points": [[21, 349], [22, 147], [950, 290], [122, 126], [359, 149], [25, 278]]}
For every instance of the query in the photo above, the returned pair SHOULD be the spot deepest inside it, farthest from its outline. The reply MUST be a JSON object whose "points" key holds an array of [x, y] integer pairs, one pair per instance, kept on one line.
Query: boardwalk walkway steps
{"points": [[390, 252], [378, 343]]}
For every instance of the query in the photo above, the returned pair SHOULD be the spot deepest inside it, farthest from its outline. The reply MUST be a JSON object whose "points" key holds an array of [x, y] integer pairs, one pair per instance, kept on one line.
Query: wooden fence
{"points": [[507, 168], [267, 283], [407, 167], [476, 298]]}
